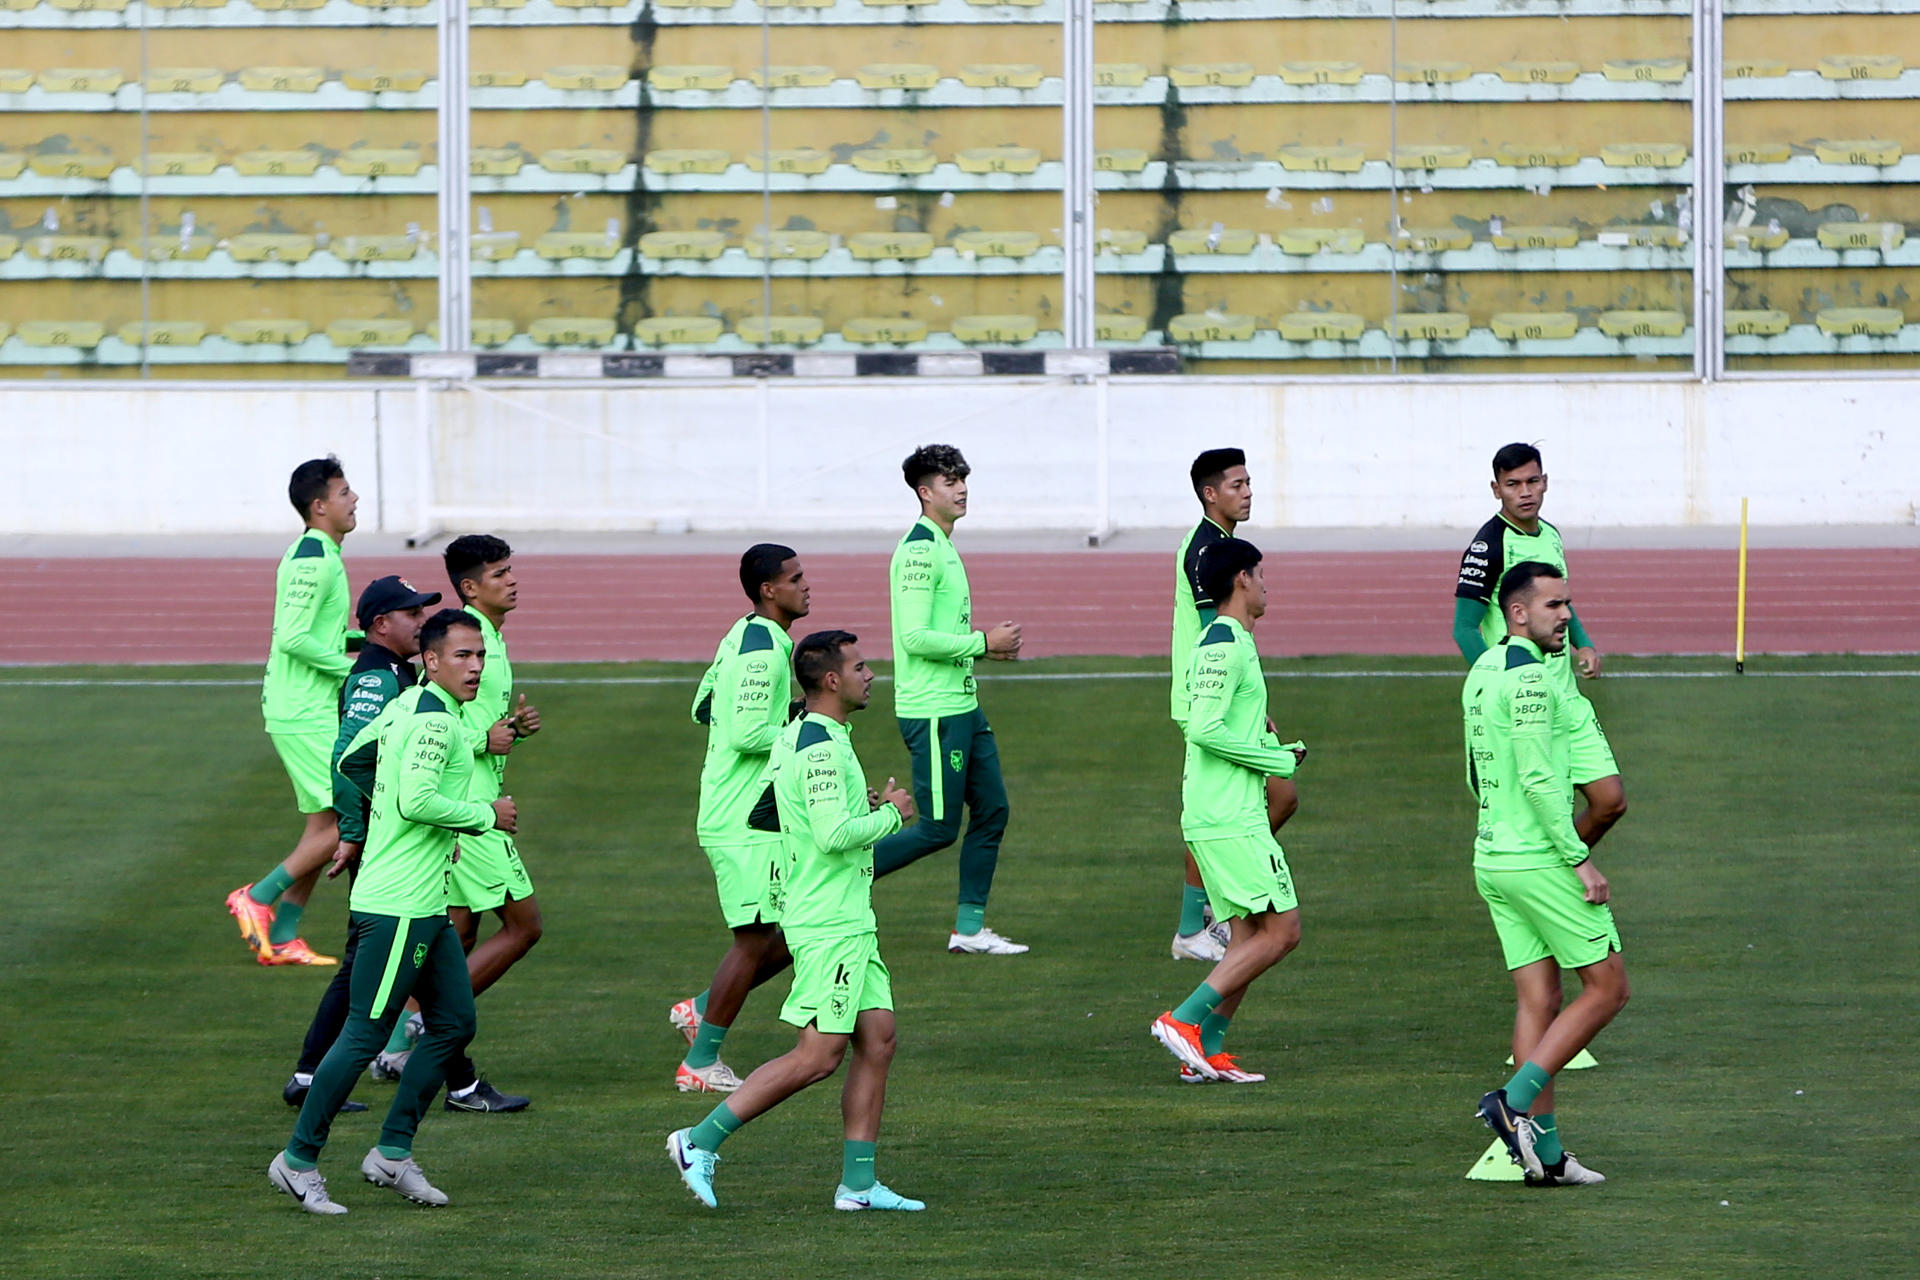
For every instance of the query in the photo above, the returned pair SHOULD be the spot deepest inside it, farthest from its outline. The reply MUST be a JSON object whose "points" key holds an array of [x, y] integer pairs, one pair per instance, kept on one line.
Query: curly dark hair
{"points": [[934, 460]]}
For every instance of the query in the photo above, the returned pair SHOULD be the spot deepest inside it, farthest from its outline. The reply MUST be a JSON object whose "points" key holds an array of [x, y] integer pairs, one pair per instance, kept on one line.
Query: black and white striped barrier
{"points": [[466, 365]]}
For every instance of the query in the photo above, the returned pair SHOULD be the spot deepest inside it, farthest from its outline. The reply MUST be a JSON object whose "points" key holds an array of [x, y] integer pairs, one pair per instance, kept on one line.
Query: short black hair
{"points": [[471, 551], [310, 481], [818, 654], [1520, 579], [1211, 467], [1223, 561], [1514, 456], [934, 460], [435, 629], [761, 563]]}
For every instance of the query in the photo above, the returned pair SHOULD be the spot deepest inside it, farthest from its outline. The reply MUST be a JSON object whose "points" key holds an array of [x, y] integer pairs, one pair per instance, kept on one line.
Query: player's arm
{"points": [[356, 749], [703, 694], [1586, 654], [1530, 705], [1216, 677], [749, 708], [424, 753], [1202, 602], [915, 576], [837, 825], [1472, 596], [297, 611]]}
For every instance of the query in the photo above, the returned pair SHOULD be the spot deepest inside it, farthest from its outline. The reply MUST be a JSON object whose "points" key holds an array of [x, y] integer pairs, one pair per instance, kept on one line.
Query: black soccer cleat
{"points": [[1512, 1128], [296, 1095], [487, 1098]]}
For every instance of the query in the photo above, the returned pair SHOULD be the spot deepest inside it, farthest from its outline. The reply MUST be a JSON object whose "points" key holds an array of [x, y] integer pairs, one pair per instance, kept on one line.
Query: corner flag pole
{"points": [[1740, 606]]}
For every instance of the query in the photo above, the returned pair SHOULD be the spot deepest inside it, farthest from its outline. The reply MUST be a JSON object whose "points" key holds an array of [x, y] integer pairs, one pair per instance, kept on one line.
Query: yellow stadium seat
{"points": [[163, 333], [694, 4], [1198, 75], [386, 79], [81, 79], [183, 80], [1231, 241], [89, 6], [1002, 75], [898, 75], [1443, 72], [605, 78], [1434, 326], [1645, 70], [783, 331], [1024, 4], [495, 162], [1535, 237], [1879, 152], [1843, 322], [173, 248], [1110, 241], [494, 246], [998, 244], [586, 4], [1554, 72], [797, 4], [1112, 328], [687, 160], [264, 246], [1300, 159], [1308, 73], [391, 4], [1759, 152], [1754, 69], [1643, 324], [1432, 156], [17, 6], [1535, 326], [809, 160], [700, 245], [556, 246], [1861, 66], [661, 331], [792, 77], [489, 332], [178, 164], [1757, 237], [68, 248], [1119, 75], [282, 79], [805, 246], [1652, 235], [875, 330], [9, 245], [11, 164], [350, 333], [375, 248], [1433, 239], [1121, 160], [890, 4], [1119, 1], [878, 246], [894, 160], [573, 331], [1644, 155], [996, 329], [1537, 155], [1861, 235], [583, 160], [84, 334], [70, 165], [1211, 327], [296, 164], [1311, 240], [998, 159], [497, 79], [1764, 324], [491, 4], [274, 6], [266, 332], [14, 80], [375, 162]]}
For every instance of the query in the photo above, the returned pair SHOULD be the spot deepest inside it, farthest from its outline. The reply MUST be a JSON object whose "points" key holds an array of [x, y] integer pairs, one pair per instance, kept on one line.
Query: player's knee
{"points": [[823, 1060], [1285, 935]]}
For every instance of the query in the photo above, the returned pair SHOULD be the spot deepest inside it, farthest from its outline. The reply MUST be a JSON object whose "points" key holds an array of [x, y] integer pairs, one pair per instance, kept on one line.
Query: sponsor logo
{"points": [[757, 666], [419, 955], [1479, 545], [954, 760]]}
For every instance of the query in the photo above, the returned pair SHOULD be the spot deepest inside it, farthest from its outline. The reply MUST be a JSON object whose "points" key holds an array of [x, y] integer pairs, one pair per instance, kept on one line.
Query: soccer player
{"points": [[955, 759], [300, 700], [390, 612], [1231, 752], [1515, 534], [743, 700], [842, 992], [422, 770], [1532, 862]]}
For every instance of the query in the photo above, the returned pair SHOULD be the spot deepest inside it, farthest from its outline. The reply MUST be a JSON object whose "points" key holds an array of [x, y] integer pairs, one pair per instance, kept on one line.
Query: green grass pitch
{"points": [[1753, 1108]]}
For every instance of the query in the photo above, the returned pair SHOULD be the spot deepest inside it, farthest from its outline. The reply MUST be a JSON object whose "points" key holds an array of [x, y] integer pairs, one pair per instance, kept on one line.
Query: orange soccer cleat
{"points": [[295, 951], [254, 919]]}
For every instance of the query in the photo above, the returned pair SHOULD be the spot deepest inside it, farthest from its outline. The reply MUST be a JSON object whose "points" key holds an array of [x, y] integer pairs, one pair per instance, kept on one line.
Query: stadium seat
{"points": [[808, 160], [572, 331], [1002, 75], [282, 79], [494, 246], [266, 246], [1754, 69], [15, 80], [781, 331], [276, 6], [1879, 152], [80, 79], [674, 79], [89, 6], [58, 248], [486, 331], [178, 164], [391, 4], [1527, 72], [1433, 239], [1860, 66], [386, 79], [183, 80], [557, 246], [1230, 241], [796, 4], [1536, 155], [1861, 235], [1211, 327], [71, 165], [994, 4], [11, 164], [9, 245], [1764, 324], [163, 333], [495, 162], [1765, 237], [348, 334], [687, 160], [1311, 240], [1650, 235], [1201, 75], [377, 162], [887, 330], [895, 4], [6, 331], [193, 248], [998, 159], [996, 329], [1430, 326], [700, 245], [1535, 237], [1110, 241], [362, 248], [1432, 156], [1644, 155], [301, 163], [894, 160], [1846, 322], [82, 334], [1535, 326], [998, 244], [1440, 72], [694, 4], [898, 75], [879, 246], [1310, 73], [266, 332], [1759, 152], [1119, 75], [496, 79], [681, 331], [803, 245], [1115, 328], [583, 160], [1339, 159], [1121, 159], [792, 77], [1645, 70], [1643, 324]]}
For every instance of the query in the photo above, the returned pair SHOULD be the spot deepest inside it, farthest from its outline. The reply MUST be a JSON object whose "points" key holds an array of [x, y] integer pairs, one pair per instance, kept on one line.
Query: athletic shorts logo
{"points": [[954, 760], [419, 955], [840, 998]]}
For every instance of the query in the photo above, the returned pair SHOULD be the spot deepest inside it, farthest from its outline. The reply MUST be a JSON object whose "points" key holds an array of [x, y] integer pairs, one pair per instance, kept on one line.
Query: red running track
{"points": [[579, 608]]}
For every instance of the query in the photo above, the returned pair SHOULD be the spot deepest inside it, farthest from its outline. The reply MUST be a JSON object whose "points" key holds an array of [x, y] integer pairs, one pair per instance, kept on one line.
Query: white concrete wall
{"points": [[125, 459]]}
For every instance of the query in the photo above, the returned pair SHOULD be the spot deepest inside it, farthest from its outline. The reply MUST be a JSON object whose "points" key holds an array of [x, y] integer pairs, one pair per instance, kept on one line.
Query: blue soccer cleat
{"points": [[695, 1165], [877, 1196]]}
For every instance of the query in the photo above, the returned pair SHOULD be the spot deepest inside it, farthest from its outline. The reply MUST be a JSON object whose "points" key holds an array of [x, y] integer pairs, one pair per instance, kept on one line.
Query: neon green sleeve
{"points": [[915, 586], [1466, 628], [837, 823], [1549, 795], [296, 617], [424, 756], [1576, 632], [1217, 673], [750, 707]]}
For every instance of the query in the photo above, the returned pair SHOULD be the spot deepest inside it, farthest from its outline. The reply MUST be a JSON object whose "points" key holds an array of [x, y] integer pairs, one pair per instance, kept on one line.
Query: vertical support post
{"points": [[1076, 154], [424, 526], [1740, 603], [1709, 194], [456, 203], [1102, 463]]}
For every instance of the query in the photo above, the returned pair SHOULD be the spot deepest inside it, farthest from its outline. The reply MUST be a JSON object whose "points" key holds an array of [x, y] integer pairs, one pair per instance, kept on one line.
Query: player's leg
{"points": [[489, 877], [520, 928], [1590, 761], [328, 1019], [758, 952], [1283, 801], [446, 1005], [971, 745], [862, 1099], [274, 934], [1194, 937], [694, 1151], [938, 792]]}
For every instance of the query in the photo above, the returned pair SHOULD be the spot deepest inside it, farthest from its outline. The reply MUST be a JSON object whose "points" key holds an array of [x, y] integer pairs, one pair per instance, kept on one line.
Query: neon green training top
{"points": [[821, 792], [934, 643], [1518, 761], [1230, 753], [742, 699], [1193, 608], [421, 769], [489, 706], [308, 661]]}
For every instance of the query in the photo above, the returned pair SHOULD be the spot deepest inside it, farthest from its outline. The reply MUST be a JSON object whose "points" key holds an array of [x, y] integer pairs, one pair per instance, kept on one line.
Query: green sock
{"points": [[715, 1129], [1526, 1085], [1193, 907], [705, 1050], [1546, 1144], [700, 1002], [286, 922], [296, 1164], [398, 1042], [270, 886], [856, 1165], [1213, 1033], [394, 1153], [1196, 1007], [969, 917]]}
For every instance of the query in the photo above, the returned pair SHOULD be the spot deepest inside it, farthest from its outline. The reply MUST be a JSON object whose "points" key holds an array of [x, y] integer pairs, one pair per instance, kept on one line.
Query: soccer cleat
{"points": [[404, 1176], [1229, 1072], [388, 1066], [1182, 1040], [717, 1077], [416, 1025], [1198, 946], [1512, 1128], [484, 1097], [294, 951], [254, 919], [685, 1019], [984, 943], [1568, 1172], [695, 1165], [304, 1185], [296, 1094], [877, 1196], [1221, 933]]}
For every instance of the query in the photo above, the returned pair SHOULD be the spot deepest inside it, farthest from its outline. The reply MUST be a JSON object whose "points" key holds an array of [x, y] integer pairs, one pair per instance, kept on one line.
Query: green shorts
{"points": [[1245, 875], [488, 873], [835, 980], [1546, 913], [308, 759], [1589, 755], [749, 880]]}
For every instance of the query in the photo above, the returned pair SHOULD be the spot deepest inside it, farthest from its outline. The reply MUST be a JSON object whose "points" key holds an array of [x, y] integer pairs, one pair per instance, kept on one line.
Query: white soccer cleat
{"points": [[685, 1019], [1226, 1070], [1199, 946], [715, 1078], [416, 1026], [1222, 933], [1568, 1173], [404, 1176], [984, 943], [304, 1185], [877, 1196], [388, 1066]]}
